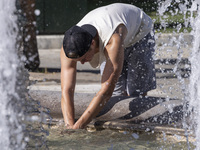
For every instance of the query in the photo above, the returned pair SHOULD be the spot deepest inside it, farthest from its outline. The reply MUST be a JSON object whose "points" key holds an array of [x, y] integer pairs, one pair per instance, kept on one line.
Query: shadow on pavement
{"points": [[145, 109]]}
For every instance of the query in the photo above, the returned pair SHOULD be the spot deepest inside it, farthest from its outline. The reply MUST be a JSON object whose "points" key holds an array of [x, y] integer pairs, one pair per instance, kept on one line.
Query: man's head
{"points": [[77, 40]]}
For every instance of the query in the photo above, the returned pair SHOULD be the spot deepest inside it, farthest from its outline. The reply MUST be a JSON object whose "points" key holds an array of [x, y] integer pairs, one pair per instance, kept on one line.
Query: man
{"points": [[120, 38]]}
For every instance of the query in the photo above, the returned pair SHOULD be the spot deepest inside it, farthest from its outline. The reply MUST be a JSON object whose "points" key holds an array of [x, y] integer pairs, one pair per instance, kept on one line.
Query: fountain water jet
{"points": [[194, 86], [192, 92], [10, 126], [21, 116]]}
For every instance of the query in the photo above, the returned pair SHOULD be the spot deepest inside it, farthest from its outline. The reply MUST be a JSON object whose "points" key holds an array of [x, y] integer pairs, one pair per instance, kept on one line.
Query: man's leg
{"points": [[141, 69]]}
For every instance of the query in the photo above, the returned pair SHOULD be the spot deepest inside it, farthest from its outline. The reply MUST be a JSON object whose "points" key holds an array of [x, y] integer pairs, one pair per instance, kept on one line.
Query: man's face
{"points": [[87, 57]]}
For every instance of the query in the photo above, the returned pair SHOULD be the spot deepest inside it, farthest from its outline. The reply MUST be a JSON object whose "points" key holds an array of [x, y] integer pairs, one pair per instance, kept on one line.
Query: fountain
{"points": [[10, 125], [19, 112], [194, 86], [21, 116], [191, 92], [160, 110]]}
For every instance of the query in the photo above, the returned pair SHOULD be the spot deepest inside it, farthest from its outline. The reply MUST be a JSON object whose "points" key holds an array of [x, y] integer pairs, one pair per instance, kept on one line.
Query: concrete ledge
{"points": [[171, 39], [49, 49], [132, 109], [122, 113], [55, 41], [159, 112], [50, 58], [49, 41]]}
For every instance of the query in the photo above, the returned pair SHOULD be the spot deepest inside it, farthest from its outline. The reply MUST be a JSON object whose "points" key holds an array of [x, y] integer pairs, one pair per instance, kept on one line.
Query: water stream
{"points": [[194, 86], [10, 126], [20, 115], [191, 92]]}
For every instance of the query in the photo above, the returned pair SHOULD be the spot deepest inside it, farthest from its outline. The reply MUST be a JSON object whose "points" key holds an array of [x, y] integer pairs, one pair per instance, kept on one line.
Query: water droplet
{"points": [[136, 136], [37, 12]]}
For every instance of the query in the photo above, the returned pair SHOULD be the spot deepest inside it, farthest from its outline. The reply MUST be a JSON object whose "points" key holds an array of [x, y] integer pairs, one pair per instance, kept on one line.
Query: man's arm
{"points": [[68, 80], [114, 52]]}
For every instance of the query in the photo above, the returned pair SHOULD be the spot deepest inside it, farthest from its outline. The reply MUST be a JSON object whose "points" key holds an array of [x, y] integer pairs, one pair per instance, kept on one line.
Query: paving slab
{"points": [[130, 109]]}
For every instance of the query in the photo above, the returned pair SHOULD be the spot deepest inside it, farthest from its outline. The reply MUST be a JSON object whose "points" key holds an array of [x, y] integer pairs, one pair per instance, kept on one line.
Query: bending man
{"points": [[119, 39]]}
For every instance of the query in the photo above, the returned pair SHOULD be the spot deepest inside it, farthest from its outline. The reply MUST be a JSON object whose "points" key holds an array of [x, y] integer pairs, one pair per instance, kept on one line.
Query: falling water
{"points": [[194, 86], [21, 116], [10, 127], [192, 92]]}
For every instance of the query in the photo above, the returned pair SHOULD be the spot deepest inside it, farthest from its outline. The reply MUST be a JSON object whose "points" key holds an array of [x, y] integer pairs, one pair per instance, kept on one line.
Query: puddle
{"points": [[60, 139]]}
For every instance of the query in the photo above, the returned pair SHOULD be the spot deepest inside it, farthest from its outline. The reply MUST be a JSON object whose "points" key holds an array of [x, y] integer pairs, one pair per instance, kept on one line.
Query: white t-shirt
{"points": [[107, 18]]}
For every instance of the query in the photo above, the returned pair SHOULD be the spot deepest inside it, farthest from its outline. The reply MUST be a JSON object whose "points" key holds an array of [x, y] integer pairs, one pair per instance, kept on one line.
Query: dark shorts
{"points": [[138, 73]]}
